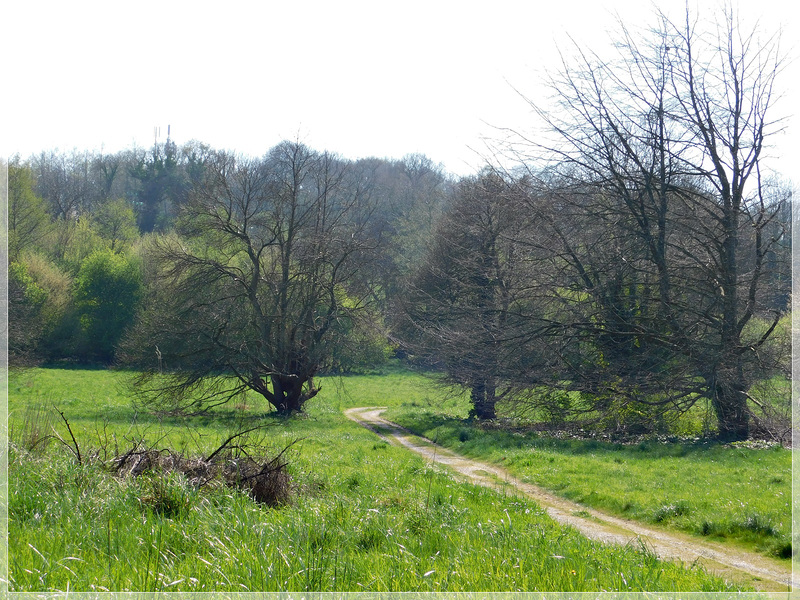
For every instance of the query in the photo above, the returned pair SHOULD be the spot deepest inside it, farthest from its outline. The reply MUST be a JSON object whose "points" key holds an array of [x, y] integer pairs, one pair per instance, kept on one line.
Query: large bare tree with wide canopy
{"points": [[254, 288], [665, 218]]}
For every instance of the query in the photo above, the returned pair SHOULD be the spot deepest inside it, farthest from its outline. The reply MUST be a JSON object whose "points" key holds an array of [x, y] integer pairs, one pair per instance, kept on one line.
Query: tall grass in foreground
{"points": [[388, 524], [365, 516]]}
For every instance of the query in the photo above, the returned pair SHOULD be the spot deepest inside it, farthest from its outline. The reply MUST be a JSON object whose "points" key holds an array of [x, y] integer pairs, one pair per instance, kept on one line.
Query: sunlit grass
{"points": [[413, 530], [723, 492], [366, 516]]}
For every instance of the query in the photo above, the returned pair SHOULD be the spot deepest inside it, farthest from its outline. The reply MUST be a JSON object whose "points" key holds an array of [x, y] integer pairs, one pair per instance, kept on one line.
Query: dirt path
{"points": [[745, 567]]}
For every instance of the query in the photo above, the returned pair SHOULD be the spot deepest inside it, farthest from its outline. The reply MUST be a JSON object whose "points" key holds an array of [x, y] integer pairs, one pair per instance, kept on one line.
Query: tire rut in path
{"points": [[740, 566]]}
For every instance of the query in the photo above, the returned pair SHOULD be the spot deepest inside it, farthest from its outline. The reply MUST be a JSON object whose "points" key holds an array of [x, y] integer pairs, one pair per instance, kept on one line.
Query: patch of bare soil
{"points": [[761, 572]]}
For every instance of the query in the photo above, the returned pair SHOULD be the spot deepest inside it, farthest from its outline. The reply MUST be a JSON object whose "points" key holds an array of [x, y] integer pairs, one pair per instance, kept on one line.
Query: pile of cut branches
{"points": [[266, 480]]}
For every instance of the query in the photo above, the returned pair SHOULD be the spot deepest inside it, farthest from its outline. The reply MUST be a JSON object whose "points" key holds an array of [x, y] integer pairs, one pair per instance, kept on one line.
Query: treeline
{"points": [[558, 300], [637, 261], [525, 288], [83, 226], [633, 263]]}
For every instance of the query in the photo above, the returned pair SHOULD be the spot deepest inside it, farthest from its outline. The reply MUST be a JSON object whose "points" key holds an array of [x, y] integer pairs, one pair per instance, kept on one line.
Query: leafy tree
{"points": [[57, 319], [107, 291], [28, 220], [40, 307], [72, 242], [160, 182], [253, 289], [25, 302], [115, 222]]}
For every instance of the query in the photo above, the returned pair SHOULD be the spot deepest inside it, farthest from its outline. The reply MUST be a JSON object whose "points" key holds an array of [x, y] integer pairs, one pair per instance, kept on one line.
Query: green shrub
{"points": [[107, 292]]}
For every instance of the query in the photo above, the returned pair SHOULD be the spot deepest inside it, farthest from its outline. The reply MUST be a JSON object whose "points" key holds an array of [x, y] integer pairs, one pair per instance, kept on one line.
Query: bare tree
{"points": [[467, 309], [105, 169], [63, 181], [669, 217], [251, 295], [409, 194]]}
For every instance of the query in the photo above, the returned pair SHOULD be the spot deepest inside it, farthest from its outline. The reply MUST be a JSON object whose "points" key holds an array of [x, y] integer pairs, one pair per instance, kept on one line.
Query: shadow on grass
{"points": [[228, 418], [478, 437]]}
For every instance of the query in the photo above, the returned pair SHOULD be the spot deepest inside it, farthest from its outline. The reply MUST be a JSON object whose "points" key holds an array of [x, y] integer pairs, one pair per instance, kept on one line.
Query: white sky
{"points": [[361, 78]]}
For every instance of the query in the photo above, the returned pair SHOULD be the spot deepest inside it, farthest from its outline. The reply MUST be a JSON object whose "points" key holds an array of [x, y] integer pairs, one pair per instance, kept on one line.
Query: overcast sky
{"points": [[369, 78]]}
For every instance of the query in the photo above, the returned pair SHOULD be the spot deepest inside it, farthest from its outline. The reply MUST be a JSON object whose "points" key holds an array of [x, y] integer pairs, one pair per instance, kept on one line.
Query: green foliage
{"points": [[41, 311], [28, 220], [634, 418], [702, 488], [33, 294], [74, 242], [115, 222], [359, 343], [30, 313], [107, 292], [56, 285]]}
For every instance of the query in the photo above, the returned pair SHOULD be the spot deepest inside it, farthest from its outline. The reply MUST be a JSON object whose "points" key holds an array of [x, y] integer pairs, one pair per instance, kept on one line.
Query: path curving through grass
{"points": [[761, 572]]}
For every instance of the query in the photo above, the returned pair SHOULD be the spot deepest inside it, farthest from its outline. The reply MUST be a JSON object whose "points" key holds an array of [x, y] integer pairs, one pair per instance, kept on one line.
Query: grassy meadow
{"points": [[365, 515], [737, 493]]}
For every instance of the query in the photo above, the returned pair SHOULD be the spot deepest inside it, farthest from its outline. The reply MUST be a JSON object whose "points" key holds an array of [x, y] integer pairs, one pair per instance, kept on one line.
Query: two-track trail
{"points": [[763, 573]]}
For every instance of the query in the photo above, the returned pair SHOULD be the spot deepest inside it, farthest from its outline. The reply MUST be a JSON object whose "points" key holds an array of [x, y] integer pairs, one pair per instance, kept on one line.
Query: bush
{"points": [[26, 300], [107, 292]]}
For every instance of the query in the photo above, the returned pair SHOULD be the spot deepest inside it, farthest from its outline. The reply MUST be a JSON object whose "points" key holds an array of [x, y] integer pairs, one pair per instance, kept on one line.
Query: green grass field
{"points": [[738, 493], [365, 516]]}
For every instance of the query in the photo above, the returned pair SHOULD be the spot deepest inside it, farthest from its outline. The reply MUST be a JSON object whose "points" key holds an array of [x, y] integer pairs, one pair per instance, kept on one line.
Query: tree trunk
{"points": [[483, 400], [730, 404], [288, 394]]}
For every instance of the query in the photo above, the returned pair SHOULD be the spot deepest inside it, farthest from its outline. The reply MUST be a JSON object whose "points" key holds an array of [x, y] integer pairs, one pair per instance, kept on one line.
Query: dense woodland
{"points": [[634, 262], [100, 242]]}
